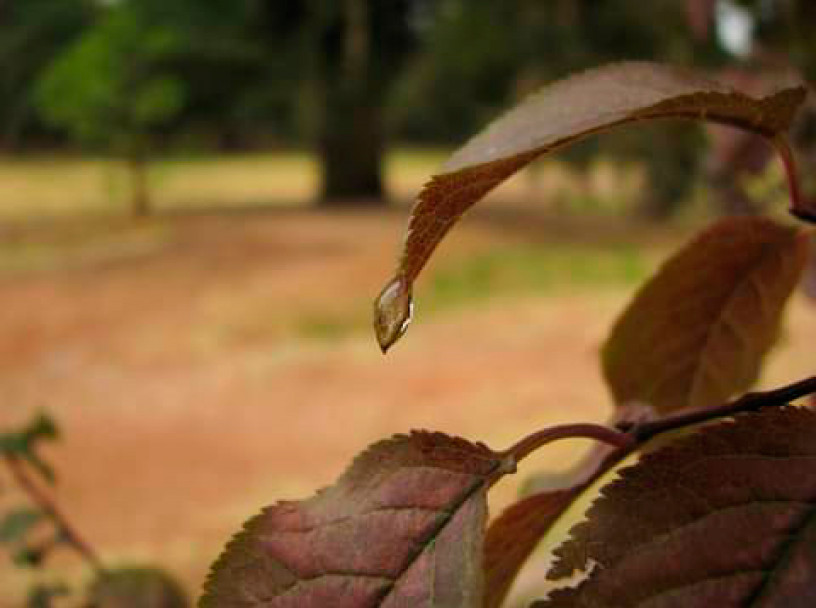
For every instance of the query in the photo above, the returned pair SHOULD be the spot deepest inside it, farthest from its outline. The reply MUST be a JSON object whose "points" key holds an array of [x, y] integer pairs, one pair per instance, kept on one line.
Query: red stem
{"points": [[629, 439], [804, 210], [68, 532], [531, 443]]}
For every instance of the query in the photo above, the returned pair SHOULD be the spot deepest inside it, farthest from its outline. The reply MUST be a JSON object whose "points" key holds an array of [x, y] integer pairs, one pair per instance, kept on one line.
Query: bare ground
{"points": [[170, 353]]}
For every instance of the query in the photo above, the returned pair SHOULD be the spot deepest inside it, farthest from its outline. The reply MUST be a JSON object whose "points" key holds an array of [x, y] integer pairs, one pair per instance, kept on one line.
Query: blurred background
{"points": [[199, 200]]}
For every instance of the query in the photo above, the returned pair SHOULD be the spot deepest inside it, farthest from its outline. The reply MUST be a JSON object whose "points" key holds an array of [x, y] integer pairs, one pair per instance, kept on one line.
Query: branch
{"points": [[747, 403], [70, 535], [627, 438]]}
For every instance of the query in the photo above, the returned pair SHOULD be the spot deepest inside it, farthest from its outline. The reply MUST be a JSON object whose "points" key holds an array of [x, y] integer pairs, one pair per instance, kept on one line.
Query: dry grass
{"points": [[203, 365], [58, 187]]}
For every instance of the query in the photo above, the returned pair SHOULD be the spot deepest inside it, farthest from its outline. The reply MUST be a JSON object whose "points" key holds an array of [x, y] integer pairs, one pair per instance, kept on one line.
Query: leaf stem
{"points": [[802, 209], [67, 531], [627, 439], [604, 434]]}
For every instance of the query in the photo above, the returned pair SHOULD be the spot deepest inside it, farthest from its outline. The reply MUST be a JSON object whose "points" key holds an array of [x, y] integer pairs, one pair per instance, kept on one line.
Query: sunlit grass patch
{"points": [[502, 272], [36, 187], [79, 244], [530, 270]]}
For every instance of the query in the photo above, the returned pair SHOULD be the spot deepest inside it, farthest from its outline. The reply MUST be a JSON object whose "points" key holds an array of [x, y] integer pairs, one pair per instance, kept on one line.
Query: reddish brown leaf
{"points": [[513, 536], [725, 517], [403, 527], [559, 115], [696, 334]]}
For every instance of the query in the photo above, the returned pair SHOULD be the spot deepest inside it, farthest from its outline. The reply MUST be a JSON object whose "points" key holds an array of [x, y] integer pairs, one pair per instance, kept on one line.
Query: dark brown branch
{"points": [[64, 527], [747, 403], [626, 440], [640, 433]]}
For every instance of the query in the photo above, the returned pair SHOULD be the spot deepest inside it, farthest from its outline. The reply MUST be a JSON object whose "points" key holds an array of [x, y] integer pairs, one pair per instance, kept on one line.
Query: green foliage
{"points": [[136, 588], [29, 556], [245, 74], [535, 269], [23, 443], [109, 88], [32, 533], [32, 33], [43, 596], [17, 523], [41, 428]]}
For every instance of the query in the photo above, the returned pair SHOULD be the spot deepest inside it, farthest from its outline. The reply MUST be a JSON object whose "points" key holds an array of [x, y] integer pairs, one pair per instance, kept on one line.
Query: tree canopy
{"points": [[347, 78]]}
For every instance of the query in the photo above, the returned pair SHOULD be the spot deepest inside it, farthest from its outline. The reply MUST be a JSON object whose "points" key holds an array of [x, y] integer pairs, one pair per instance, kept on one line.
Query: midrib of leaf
{"points": [[295, 586], [784, 556], [703, 370], [435, 532]]}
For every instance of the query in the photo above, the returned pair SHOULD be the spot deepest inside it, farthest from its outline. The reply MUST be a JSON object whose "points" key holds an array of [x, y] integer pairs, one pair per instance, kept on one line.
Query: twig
{"points": [[64, 527], [802, 209], [747, 403]]}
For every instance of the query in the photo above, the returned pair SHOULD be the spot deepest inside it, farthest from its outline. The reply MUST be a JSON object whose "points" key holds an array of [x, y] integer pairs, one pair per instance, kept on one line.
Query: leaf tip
{"points": [[393, 310]]}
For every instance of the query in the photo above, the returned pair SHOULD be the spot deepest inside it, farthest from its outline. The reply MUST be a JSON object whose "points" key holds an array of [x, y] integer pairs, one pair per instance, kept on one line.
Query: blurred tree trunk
{"points": [[361, 46], [350, 143], [351, 153], [10, 138], [671, 154], [140, 203]]}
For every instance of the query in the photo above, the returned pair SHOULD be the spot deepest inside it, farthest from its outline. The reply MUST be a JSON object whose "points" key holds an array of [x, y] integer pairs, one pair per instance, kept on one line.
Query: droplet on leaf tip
{"points": [[393, 311]]}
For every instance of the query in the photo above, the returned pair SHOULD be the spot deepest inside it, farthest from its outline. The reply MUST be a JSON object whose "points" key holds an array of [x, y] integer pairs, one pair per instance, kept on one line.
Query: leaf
{"points": [[17, 523], [41, 428], [30, 557], [697, 332], [725, 517], [557, 116], [23, 443], [136, 588], [12, 443], [513, 537], [404, 526], [43, 596]]}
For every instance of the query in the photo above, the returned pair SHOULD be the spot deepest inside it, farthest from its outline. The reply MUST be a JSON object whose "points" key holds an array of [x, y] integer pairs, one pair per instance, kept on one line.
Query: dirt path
{"points": [[188, 401]]}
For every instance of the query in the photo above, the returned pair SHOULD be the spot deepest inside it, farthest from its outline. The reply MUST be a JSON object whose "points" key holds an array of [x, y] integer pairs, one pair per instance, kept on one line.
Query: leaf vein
{"points": [[783, 556]]}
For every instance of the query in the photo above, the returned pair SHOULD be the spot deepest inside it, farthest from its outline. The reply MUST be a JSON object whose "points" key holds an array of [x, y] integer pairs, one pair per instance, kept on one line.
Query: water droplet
{"points": [[393, 311]]}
